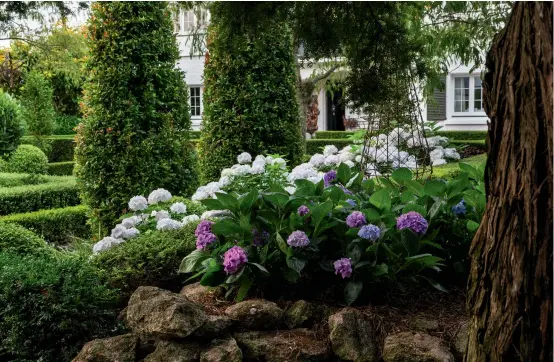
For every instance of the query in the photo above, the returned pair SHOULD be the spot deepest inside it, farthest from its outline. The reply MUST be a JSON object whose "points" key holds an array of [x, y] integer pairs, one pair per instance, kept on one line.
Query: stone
{"points": [[415, 347], [256, 314], [352, 337], [170, 351], [298, 314], [198, 293], [214, 326], [222, 350], [459, 342], [425, 324], [121, 349], [158, 313], [298, 345]]}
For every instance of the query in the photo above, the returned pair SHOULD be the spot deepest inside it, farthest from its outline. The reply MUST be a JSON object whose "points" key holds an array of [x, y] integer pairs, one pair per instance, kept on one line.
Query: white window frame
{"points": [[200, 98], [182, 13], [471, 111]]}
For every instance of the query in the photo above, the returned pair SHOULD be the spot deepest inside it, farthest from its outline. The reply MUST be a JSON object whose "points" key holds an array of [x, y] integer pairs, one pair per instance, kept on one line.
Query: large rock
{"points": [[424, 324], [159, 313], [170, 351], [256, 314], [222, 350], [298, 314], [198, 293], [352, 337], [298, 345], [121, 349], [459, 343], [415, 347], [214, 326]]}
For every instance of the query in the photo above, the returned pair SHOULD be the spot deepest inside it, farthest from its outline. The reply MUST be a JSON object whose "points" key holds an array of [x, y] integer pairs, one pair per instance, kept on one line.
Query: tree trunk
{"points": [[510, 285]]}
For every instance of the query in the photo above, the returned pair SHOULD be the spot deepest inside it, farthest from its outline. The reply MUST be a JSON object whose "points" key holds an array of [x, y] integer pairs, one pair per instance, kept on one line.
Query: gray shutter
{"points": [[436, 110]]}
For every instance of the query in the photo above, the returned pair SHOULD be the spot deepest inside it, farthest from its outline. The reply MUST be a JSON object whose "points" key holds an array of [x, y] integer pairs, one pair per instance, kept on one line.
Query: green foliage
{"points": [[17, 239], [62, 147], [65, 124], [152, 258], [316, 145], [463, 135], [452, 170], [61, 168], [57, 226], [50, 306], [195, 135], [37, 108], [250, 99], [134, 135], [328, 135], [11, 128], [57, 192], [26, 159]]}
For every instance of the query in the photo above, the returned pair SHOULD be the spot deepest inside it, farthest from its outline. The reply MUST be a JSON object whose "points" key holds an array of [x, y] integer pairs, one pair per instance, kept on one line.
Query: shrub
{"points": [[37, 106], [65, 124], [20, 179], [250, 99], [463, 135], [138, 140], [316, 145], [149, 259], [62, 147], [50, 306], [331, 135], [11, 128], [57, 226], [16, 239], [26, 159], [61, 168], [58, 192]]}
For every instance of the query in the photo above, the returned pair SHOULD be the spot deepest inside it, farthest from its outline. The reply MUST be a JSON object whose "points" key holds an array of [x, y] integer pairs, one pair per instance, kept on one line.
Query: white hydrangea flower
{"points": [[439, 161], [346, 156], [138, 203], [130, 222], [259, 163], [346, 149], [214, 213], [200, 195], [330, 150], [260, 158], [290, 189], [168, 224], [227, 172], [301, 172], [118, 231], [436, 154], [131, 233], [358, 158], [277, 161], [317, 160], [190, 218], [451, 153], [178, 208], [212, 188], [241, 170], [332, 160], [244, 157], [224, 181], [349, 164], [256, 170], [159, 215], [158, 195], [106, 243]]}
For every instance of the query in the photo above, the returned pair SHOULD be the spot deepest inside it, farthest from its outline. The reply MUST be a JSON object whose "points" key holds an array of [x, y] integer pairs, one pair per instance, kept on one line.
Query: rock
{"points": [[459, 343], [121, 349], [415, 347], [198, 293], [298, 345], [214, 326], [156, 312], [256, 314], [425, 324], [222, 350], [352, 336], [170, 351], [298, 314]]}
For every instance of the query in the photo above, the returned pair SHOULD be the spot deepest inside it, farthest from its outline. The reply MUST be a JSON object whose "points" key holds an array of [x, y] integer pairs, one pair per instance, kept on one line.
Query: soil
{"points": [[469, 151]]}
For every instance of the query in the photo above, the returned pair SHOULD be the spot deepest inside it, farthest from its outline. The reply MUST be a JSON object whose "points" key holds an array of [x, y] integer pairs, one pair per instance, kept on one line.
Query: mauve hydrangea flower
{"points": [[298, 239], [329, 177], [413, 221], [343, 267], [369, 232], [351, 202], [346, 191], [234, 259], [459, 208], [356, 220], [205, 239], [204, 227], [303, 210], [260, 238]]}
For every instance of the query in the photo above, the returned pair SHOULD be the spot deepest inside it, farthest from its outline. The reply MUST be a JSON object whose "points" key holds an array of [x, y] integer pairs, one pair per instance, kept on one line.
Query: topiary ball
{"points": [[26, 159], [16, 239], [11, 126]]}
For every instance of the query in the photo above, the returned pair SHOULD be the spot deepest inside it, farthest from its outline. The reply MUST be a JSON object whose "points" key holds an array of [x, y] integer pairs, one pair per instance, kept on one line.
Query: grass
{"points": [[452, 169]]}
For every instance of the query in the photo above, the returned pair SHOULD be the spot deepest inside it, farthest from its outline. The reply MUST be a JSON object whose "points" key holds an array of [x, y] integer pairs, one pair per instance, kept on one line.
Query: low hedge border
{"points": [[62, 147], [481, 144], [452, 135], [57, 192], [329, 135], [315, 145], [61, 168], [56, 226]]}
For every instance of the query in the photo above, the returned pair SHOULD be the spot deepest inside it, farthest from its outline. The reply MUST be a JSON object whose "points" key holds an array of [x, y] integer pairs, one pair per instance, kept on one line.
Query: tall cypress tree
{"points": [[134, 137], [250, 100]]}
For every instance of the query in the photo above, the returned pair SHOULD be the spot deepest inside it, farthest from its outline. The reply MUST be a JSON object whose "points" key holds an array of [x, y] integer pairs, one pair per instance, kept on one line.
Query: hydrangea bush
{"points": [[327, 216]]}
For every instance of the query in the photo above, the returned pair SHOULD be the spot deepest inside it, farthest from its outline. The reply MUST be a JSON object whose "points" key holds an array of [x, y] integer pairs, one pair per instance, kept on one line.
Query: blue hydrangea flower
{"points": [[351, 202], [369, 232], [459, 208]]}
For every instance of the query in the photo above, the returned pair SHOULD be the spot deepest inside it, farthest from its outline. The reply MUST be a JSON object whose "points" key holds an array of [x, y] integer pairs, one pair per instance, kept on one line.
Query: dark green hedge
{"points": [[195, 134], [62, 147], [61, 168], [464, 135], [57, 226], [18, 240], [316, 145], [328, 135], [60, 191], [474, 143]]}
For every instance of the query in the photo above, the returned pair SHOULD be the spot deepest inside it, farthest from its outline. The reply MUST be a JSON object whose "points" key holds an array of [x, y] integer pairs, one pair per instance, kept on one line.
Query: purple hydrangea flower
{"points": [[234, 259], [356, 220], [303, 210], [204, 227], [346, 191], [298, 239], [329, 177], [260, 238], [459, 208], [343, 267], [413, 221], [205, 239], [351, 202], [369, 232]]}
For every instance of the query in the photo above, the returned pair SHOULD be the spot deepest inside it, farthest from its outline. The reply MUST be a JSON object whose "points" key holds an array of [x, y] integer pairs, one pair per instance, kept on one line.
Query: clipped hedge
{"points": [[26, 159], [57, 226], [463, 135], [481, 144], [17, 239], [62, 147], [331, 135], [61, 168], [21, 179], [57, 192], [316, 145]]}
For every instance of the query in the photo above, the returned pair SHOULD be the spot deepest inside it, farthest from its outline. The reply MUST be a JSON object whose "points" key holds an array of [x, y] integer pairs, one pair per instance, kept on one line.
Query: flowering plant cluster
{"points": [[362, 230]]}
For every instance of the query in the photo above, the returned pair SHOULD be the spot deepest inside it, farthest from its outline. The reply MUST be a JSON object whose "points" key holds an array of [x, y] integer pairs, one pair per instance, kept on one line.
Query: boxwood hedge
{"points": [[61, 168], [18, 240], [315, 145]]}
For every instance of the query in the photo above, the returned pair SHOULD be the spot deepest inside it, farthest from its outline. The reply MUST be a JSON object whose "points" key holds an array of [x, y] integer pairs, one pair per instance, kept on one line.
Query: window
{"points": [[195, 102], [468, 94], [188, 20]]}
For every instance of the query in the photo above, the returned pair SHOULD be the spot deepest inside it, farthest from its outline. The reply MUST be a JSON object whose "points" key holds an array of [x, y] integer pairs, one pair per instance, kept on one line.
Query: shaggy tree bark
{"points": [[510, 286]]}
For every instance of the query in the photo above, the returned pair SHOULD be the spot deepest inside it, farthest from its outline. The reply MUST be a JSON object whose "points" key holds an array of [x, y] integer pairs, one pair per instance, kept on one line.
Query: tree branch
{"points": [[324, 75]]}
